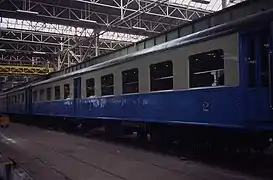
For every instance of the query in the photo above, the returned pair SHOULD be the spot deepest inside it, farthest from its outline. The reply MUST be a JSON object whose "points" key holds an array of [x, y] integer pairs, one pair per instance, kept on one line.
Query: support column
{"points": [[121, 10], [68, 54], [59, 62], [97, 44], [224, 4]]}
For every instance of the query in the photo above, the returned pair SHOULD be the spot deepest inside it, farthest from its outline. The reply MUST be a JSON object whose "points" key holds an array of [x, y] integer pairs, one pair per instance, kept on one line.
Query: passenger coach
{"points": [[214, 82]]}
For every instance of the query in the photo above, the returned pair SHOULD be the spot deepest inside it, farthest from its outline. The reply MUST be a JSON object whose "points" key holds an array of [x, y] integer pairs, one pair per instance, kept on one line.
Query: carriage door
{"points": [[258, 63], [77, 93], [28, 100]]}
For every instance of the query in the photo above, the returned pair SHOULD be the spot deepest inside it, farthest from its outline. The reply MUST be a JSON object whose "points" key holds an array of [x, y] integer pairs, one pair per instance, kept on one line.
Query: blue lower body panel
{"points": [[16, 109], [226, 107]]}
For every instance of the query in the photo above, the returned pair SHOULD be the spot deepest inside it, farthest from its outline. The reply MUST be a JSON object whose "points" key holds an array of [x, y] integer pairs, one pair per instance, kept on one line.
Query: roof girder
{"points": [[67, 15]]}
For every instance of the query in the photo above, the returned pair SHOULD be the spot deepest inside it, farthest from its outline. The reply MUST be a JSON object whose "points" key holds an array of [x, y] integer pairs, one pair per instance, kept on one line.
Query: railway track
{"points": [[254, 165]]}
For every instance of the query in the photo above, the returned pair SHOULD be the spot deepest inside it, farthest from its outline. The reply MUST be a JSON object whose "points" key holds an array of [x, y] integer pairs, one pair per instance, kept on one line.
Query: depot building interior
{"points": [[118, 89], [42, 37]]}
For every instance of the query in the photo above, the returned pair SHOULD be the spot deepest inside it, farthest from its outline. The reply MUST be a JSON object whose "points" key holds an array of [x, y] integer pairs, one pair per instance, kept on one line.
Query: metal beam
{"points": [[19, 45], [117, 22], [164, 9], [163, 18], [24, 70]]}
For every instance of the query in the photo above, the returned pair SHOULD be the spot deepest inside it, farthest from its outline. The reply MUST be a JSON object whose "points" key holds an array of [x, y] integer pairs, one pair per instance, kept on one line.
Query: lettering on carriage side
{"points": [[116, 100], [145, 102], [206, 106], [124, 102], [102, 102], [95, 102], [68, 103]]}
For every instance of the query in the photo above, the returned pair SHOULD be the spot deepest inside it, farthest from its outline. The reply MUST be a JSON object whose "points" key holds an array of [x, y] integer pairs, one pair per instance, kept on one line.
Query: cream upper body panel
{"points": [[179, 57]]}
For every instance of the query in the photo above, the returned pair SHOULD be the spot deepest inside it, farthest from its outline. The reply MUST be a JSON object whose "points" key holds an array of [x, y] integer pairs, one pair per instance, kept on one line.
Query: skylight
{"points": [[212, 6], [10, 23]]}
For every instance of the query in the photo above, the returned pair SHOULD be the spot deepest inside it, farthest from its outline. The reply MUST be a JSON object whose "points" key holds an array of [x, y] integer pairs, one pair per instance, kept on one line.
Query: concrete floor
{"points": [[50, 155]]}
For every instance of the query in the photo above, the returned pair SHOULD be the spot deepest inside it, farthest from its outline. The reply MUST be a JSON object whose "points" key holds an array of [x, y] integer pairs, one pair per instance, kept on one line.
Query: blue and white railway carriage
{"points": [[218, 79], [3, 103], [15, 102], [160, 89], [54, 98]]}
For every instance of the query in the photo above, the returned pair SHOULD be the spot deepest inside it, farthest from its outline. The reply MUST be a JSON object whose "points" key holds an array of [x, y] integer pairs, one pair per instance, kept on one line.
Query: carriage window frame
{"points": [[206, 69], [161, 76], [57, 92], [130, 81], [107, 88], [90, 87], [35, 96]]}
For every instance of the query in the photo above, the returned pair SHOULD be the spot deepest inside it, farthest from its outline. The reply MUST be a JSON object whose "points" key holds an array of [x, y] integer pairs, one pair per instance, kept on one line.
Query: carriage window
{"points": [[66, 91], [57, 92], [42, 94], [161, 76], [14, 97], [207, 69], [107, 85], [90, 87], [18, 99], [35, 96], [23, 98], [130, 81], [48, 94]]}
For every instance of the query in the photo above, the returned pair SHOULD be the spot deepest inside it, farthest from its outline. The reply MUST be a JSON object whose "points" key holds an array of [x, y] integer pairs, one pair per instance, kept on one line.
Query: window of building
{"points": [[107, 85], [66, 91], [207, 69], [57, 92], [90, 87], [42, 95], [161, 76], [34, 96], [130, 81], [48, 94]]}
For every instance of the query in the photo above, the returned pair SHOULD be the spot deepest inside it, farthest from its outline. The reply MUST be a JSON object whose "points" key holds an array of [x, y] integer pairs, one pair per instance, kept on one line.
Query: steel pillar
{"points": [[97, 51]]}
